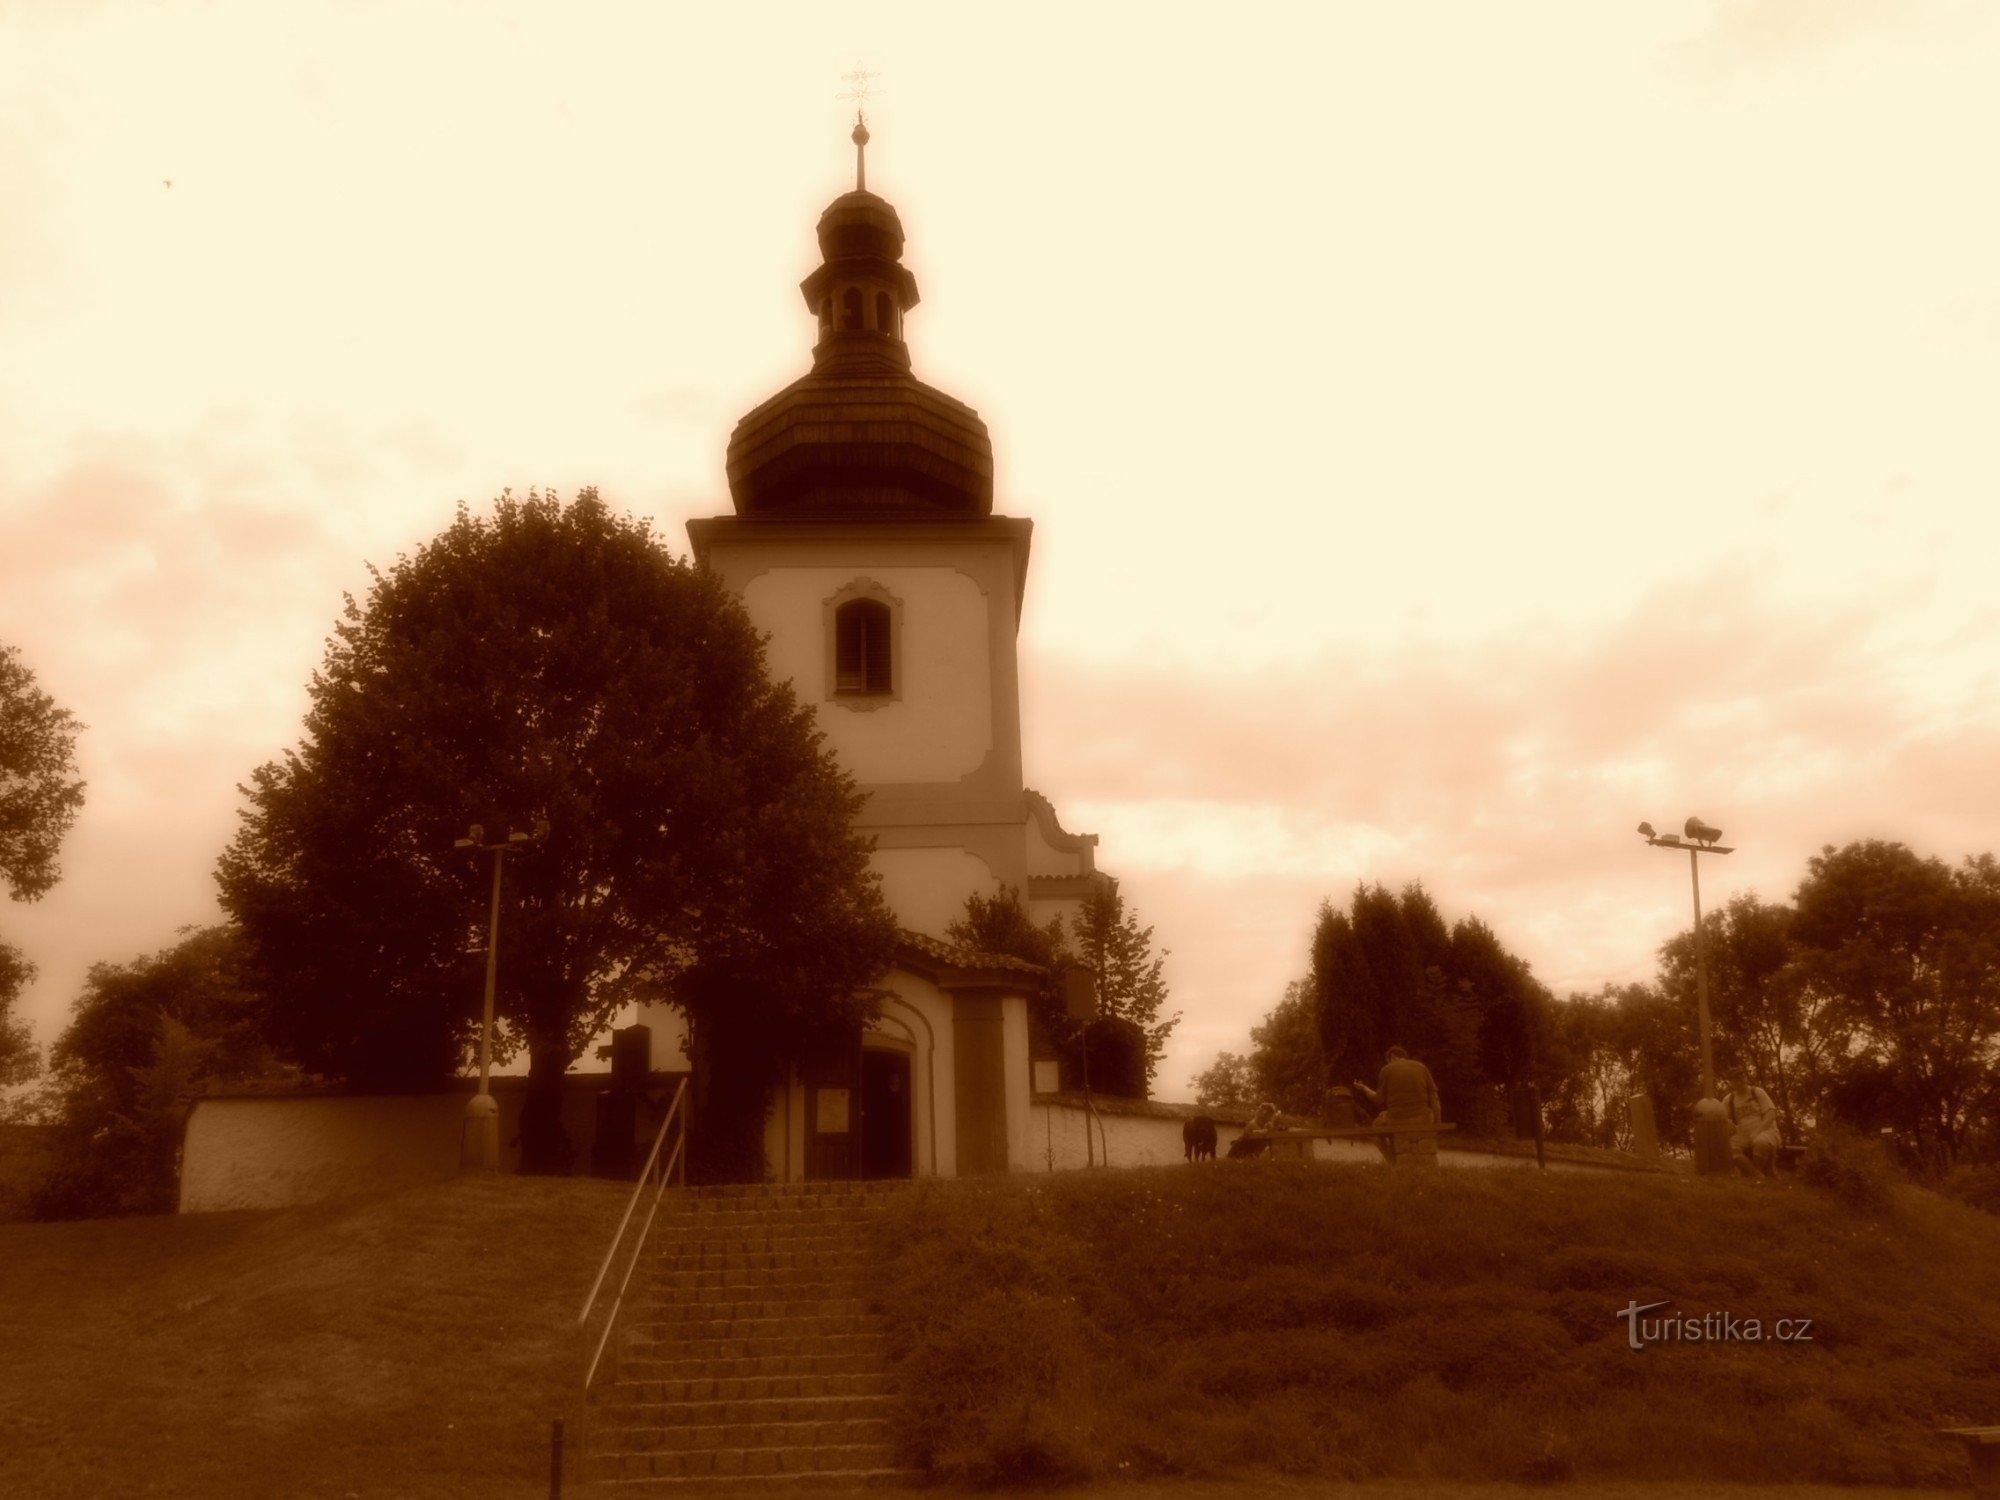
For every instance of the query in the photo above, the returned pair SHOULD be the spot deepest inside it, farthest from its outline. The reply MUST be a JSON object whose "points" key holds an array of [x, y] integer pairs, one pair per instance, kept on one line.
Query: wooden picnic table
{"points": [[1349, 1132]]}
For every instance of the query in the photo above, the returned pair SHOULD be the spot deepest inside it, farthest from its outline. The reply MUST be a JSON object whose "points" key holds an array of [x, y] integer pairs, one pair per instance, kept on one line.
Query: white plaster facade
{"points": [[939, 726]]}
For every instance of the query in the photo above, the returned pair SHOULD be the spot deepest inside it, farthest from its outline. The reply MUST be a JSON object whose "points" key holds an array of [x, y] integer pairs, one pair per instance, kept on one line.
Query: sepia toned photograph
{"points": [[1094, 751]]}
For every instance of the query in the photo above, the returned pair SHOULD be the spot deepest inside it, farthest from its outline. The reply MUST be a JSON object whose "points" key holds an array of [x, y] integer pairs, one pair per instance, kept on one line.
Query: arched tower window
{"points": [[850, 307], [885, 314], [864, 623], [861, 649]]}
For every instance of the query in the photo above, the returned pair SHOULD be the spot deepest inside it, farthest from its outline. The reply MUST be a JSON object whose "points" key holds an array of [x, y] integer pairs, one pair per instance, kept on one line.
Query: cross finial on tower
{"points": [[860, 87]]}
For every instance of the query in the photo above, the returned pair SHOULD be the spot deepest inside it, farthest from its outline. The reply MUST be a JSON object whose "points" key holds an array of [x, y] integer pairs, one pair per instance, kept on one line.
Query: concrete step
{"points": [[765, 1227], [698, 1259], [804, 1204], [701, 1390], [623, 1415], [754, 1338], [694, 1367], [844, 1480], [725, 1285], [711, 1303], [612, 1435], [614, 1465], [722, 1320], [760, 1346], [799, 1239], [783, 1191]]}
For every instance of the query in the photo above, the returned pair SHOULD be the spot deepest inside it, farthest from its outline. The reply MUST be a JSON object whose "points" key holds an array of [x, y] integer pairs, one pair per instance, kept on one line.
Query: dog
{"points": [[1198, 1139]]}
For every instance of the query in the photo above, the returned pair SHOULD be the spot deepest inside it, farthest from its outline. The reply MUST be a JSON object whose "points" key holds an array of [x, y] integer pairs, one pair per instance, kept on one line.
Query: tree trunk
{"points": [[731, 1098], [546, 1150]]}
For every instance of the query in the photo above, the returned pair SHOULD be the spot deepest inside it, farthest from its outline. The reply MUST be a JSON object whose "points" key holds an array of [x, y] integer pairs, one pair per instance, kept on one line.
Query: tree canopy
{"points": [[1388, 971], [554, 662], [1131, 982], [40, 796], [143, 1040], [1121, 1048], [1900, 958], [39, 790]]}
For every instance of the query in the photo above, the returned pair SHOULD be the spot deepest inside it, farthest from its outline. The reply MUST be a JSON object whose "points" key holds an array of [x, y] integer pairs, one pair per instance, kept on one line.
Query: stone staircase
{"points": [[749, 1355]]}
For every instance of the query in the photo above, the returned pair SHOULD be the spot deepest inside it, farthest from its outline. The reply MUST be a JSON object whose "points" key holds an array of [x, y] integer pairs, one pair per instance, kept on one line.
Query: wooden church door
{"points": [[832, 1110]]}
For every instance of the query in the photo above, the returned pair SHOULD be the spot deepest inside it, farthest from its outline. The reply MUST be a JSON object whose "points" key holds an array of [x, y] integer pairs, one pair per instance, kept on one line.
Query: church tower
{"points": [[865, 546], [864, 542]]}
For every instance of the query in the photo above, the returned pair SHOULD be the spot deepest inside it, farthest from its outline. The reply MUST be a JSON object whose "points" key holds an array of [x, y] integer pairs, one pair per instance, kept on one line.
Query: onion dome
{"points": [[860, 437]]}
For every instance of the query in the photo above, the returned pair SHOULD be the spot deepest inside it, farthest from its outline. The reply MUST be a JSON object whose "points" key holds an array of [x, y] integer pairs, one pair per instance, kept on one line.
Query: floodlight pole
{"points": [[1711, 1125], [479, 1142], [1701, 977]]}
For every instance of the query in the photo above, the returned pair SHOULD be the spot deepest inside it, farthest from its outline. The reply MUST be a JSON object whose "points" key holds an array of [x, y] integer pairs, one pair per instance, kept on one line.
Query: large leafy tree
{"points": [[1903, 954], [1790, 1036], [1287, 1061], [18, 1062], [40, 796], [554, 663], [144, 1039], [1596, 1051], [1230, 1082], [39, 790]]}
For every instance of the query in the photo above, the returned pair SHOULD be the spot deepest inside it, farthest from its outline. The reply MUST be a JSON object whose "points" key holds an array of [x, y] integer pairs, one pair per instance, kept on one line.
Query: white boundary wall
{"points": [[1131, 1133]]}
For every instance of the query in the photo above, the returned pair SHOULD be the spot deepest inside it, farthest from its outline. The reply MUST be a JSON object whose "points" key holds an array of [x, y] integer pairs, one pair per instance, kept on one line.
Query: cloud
{"points": [[1762, 32], [1508, 776]]}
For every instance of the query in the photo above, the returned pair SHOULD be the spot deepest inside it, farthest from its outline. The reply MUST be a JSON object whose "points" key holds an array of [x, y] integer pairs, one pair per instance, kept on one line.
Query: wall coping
{"points": [[501, 1083]]}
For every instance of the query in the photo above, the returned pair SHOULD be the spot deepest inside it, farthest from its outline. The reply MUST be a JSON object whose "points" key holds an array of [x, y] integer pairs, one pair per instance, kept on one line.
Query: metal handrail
{"points": [[677, 1160]]}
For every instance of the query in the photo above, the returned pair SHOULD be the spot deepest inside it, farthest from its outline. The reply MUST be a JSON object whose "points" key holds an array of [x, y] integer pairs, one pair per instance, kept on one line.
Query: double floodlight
{"points": [[1694, 832], [476, 837]]}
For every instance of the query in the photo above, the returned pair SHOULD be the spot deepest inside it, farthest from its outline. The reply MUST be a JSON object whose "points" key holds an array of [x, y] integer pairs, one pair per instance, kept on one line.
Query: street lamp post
{"points": [[1711, 1124], [479, 1140]]}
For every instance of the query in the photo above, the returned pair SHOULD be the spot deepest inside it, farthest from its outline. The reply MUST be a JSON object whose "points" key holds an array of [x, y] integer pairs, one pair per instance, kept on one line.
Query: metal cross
{"points": [[860, 88]]}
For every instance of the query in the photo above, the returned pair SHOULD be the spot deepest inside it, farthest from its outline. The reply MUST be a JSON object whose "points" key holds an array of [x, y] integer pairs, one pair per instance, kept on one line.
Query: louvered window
{"points": [[861, 647]]}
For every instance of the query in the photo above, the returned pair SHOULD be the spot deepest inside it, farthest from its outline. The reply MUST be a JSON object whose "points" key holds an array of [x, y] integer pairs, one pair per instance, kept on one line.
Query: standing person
{"points": [[1753, 1122], [1406, 1095]]}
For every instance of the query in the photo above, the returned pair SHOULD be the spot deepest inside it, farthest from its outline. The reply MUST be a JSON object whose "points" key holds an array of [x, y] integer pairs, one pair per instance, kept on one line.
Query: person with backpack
{"points": [[1753, 1121]]}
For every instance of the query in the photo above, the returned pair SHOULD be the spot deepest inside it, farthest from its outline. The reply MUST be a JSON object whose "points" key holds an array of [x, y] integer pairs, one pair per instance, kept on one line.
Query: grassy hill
{"points": [[409, 1345], [1246, 1319], [1353, 1323]]}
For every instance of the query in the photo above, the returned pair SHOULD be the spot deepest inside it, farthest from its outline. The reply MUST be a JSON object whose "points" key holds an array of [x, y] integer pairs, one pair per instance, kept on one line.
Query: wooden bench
{"points": [[1385, 1133], [1789, 1158], [1982, 1445]]}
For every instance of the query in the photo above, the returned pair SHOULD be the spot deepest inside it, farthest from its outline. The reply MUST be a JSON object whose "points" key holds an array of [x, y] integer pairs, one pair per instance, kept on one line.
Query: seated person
{"points": [[1753, 1122], [1265, 1119], [1407, 1095]]}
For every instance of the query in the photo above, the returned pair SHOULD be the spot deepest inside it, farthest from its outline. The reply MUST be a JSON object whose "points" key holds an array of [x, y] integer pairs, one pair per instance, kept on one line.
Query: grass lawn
{"points": [[1242, 1332], [410, 1345], [1351, 1324]]}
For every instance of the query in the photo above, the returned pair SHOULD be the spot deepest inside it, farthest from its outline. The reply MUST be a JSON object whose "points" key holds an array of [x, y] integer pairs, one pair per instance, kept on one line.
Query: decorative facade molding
{"points": [[869, 589]]}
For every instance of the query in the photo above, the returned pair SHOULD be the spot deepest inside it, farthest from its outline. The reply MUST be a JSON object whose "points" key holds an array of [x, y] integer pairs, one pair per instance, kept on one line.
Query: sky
{"points": [[1453, 433]]}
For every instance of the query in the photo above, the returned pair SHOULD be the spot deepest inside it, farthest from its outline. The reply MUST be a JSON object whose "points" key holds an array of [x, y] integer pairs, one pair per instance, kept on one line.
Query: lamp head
{"points": [[1645, 830], [1701, 833]]}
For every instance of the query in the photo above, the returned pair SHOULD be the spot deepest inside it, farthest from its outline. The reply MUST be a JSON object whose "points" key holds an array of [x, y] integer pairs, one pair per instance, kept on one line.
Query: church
{"points": [[865, 545]]}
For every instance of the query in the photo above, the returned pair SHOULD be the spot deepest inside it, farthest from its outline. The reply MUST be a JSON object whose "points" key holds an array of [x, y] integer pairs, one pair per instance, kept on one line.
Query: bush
{"points": [[1978, 1187], [1851, 1168]]}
